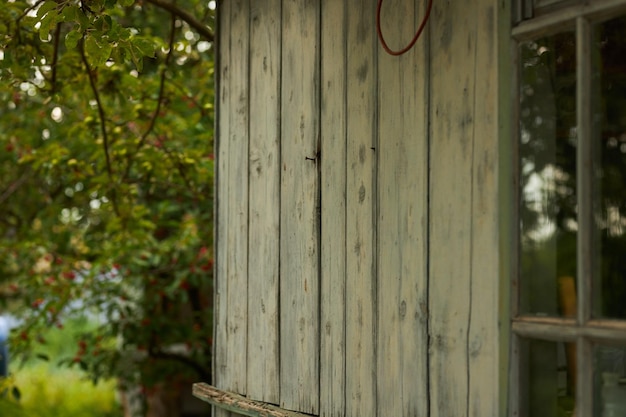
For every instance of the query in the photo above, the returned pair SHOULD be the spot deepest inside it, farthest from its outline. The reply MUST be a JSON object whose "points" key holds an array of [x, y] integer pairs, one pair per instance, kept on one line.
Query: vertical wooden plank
{"points": [[232, 194], [333, 203], [299, 227], [403, 215], [360, 222], [237, 183], [453, 28], [482, 343], [264, 207], [233, 223], [508, 365], [221, 149]]}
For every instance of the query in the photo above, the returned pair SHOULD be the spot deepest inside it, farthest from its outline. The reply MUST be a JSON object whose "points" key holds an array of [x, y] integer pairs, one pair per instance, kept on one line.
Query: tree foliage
{"points": [[106, 180]]}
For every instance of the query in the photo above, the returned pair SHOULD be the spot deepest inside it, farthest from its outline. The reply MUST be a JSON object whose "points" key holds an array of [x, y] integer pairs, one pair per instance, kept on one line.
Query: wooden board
{"points": [[221, 174], [403, 215], [453, 31], [299, 207], [264, 197], [464, 228], [357, 264], [232, 194], [508, 372], [238, 404], [237, 205], [360, 206], [333, 209], [482, 343]]}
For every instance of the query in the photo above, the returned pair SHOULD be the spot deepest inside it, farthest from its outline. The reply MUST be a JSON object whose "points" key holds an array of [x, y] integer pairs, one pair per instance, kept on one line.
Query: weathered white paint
{"points": [[232, 192], [483, 335], [463, 292], [386, 302], [452, 118], [264, 206], [360, 221], [299, 207], [403, 216], [333, 215]]}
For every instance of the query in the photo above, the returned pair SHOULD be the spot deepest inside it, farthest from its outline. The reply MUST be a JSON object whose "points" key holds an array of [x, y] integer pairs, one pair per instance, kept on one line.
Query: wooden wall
{"points": [[357, 214]]}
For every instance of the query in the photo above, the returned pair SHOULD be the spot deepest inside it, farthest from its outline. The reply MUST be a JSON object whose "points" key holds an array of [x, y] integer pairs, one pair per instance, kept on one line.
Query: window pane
{"points": [[548, 371], [609, 85], [547, 151], [609, 381]]}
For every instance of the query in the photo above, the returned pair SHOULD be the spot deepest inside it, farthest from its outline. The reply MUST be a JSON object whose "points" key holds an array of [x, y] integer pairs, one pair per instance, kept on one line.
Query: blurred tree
{"points": [[106, 170]]}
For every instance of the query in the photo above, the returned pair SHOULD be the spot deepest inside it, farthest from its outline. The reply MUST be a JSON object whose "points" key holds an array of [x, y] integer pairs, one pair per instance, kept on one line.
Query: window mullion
{"points": [[584, 377], [584, 174], [584, 183], [515, 248]]}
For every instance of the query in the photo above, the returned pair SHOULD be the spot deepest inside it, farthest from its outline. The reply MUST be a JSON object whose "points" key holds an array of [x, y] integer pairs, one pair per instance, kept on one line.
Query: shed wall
{"points": [[357, 217]]}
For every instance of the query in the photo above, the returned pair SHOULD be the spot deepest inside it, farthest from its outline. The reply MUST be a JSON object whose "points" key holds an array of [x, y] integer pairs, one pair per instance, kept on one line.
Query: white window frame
{"points": [[584, 330]]}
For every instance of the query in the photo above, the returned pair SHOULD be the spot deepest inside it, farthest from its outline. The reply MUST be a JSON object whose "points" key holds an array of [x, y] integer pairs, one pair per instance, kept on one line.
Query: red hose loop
{"points": [[415, 38]]}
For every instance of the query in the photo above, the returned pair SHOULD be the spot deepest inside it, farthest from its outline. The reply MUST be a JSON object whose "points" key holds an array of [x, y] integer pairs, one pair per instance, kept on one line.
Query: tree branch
{"points": [[168, 58], [55, 57], [105, 137], [13, 187], [202, 372], [200, 27], [160, 98], [23, 15]]}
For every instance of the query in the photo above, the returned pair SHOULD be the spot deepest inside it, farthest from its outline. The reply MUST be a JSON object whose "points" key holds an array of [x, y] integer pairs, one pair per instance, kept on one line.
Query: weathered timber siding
{"points": [[357, 214], [264, 202], [232, 194], [333, 117]]}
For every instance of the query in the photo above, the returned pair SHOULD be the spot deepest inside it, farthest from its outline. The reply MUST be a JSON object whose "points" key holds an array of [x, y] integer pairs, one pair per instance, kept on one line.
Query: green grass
{"points": [[48, 390], [61, 393]]}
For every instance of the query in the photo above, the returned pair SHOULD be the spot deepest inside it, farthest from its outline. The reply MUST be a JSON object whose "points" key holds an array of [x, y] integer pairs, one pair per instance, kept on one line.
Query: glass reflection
{"points": [[609, 381], [609, 107], [548, 379], [547, 171]]}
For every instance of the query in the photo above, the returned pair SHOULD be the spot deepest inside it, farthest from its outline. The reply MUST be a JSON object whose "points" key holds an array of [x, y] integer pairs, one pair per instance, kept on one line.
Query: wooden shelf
{"points": [[239, 404]]}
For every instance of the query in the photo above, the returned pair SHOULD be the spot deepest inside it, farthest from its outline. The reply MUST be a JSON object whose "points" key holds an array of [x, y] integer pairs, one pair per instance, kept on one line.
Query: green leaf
{"points": [[98, 52], [46, 7], [135, 56], [126, 3], [72, 38], [71, 13], [47, 22], [43, 357], [145, 46]]}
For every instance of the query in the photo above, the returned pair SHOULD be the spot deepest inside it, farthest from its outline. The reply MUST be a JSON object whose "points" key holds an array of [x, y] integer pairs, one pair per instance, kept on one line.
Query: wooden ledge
{"points": [[239, 404]]}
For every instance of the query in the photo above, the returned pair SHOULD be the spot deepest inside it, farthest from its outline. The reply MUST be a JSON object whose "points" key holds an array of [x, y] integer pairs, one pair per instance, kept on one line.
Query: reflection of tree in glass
{"points": [[609, 80], [547, 167], [547, 122], [548, 139]]}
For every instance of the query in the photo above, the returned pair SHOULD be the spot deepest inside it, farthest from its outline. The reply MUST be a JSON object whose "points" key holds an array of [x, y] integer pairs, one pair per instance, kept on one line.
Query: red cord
{"points": [[415, 38]]}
